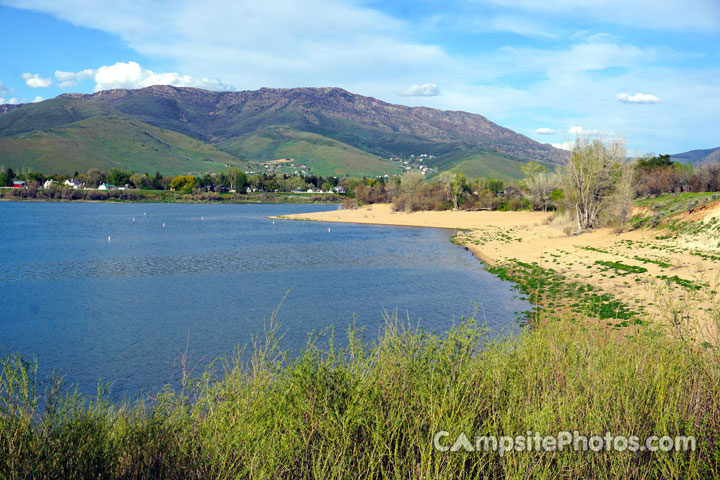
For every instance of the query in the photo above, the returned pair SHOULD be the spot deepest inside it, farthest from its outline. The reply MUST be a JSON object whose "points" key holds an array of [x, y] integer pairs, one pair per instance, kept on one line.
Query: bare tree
{"points": [[540, 184], [591, 177]]}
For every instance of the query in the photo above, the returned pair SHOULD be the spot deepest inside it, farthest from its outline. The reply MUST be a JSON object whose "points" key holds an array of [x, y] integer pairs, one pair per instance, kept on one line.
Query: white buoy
{"points": [[202, 218], [108, 238], [133, 219], [328, 229], [163, 225], [144, 214], [273, 222]]}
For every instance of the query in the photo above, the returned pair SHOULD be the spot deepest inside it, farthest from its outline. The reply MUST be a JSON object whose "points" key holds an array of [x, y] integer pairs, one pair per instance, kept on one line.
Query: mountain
{"points": [[698, 156], [329, 130]]}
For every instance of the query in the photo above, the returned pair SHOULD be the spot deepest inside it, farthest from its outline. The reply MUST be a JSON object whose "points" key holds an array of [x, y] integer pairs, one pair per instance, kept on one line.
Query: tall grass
{"points": [[371, 410]]}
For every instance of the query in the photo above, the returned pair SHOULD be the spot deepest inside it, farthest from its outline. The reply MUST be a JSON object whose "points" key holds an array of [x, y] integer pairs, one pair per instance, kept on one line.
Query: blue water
{"points": [[95, 296]]}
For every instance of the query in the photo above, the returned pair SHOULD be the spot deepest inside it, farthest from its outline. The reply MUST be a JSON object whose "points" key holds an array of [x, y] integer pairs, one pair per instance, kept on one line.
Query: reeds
{"points": [[370, 410]]}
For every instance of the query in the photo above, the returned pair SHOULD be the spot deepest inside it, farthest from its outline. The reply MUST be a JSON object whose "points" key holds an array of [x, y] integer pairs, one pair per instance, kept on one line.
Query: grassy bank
{"points": [[371, 410]]}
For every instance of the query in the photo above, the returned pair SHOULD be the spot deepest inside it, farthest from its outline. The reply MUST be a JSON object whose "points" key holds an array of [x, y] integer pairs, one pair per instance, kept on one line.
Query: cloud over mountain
{"points": [[33, 80], [132, 75], [424, 90]]}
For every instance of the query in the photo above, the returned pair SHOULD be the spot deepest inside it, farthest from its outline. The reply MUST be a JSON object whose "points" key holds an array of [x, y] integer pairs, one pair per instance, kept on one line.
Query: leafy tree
{"points": [[256, 182], [410, 184], [183, 182], [35, 177], [271, 182], [496, 186], [591, 176], [296, 182], [557, 195], [94, 177], [140, 181], [655, 161], [350, 184], [4, 177], [118, 177], [455, 185], [237, 179], [157, 181]]}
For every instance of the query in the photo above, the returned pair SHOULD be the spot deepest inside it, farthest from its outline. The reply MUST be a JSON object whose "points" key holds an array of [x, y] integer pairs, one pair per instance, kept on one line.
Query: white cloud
{"points": [[11, 101], [545, 131], [33, 80], [70, 79], [311, 43], [424, 90], [564, 145], [132, 75], [38, 99], [637, 98], [577, 130], [4, 89]]}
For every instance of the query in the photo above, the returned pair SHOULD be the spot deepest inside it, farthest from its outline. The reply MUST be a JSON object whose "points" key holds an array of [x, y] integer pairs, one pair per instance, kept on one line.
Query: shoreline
{"points": [[181, 201], [459, 221], [644, 269]]}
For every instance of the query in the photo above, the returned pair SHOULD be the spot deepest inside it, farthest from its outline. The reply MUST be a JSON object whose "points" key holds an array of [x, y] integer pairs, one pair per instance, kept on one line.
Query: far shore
{"points": [[674, 269], [164, 196]]}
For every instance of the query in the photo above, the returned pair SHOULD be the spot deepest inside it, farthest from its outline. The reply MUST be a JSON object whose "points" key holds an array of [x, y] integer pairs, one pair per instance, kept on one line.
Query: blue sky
{"points": [[646, 70]]}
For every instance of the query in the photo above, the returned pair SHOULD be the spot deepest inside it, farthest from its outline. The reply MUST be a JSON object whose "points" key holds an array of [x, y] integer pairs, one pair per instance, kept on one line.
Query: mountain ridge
{"points": [[228, 120], [698, 156]]}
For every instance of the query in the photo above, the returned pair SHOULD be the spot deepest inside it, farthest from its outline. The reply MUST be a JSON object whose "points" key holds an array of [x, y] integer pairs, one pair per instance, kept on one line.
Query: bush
{"points": [[370, 411]]}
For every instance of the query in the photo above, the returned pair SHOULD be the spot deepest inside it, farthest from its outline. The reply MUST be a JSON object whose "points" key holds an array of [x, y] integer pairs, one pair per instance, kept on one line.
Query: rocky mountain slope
{"points": [[329, 129], [698, 156]]}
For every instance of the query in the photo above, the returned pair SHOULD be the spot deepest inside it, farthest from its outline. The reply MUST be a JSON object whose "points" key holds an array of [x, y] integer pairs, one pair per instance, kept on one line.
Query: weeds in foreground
{"points": [[371, 410]]}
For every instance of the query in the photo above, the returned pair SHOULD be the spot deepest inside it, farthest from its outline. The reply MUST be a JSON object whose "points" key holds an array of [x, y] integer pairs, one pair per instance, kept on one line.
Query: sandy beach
{"points": [[691, 263]]}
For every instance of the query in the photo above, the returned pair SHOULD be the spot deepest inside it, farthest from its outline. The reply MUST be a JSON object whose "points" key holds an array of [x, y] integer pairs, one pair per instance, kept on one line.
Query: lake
{"points": [[118, 291]]}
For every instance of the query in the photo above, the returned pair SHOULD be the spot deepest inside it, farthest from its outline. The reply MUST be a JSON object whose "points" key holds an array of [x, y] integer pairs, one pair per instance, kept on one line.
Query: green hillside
{"points": [[323, 155], [330, 130], [111, 141], [486, 163], [49, 114]]}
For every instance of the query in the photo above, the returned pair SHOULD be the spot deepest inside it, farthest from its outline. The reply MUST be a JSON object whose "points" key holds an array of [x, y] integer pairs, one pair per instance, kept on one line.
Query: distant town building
{"points": [[73, 183]]}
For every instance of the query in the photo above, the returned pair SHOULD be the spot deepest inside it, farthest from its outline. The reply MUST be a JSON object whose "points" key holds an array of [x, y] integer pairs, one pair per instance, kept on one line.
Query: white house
{"points": [[107, 186], [73, 183], [48, 183]]}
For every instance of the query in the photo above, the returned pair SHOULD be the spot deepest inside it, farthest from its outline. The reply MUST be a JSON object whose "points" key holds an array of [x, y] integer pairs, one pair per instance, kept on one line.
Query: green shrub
{"points": [[371, 410]]}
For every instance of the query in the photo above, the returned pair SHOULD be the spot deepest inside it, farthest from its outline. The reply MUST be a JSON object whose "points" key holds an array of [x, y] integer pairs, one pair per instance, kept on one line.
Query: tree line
{"points": [[232, 179], [596, 187]]}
